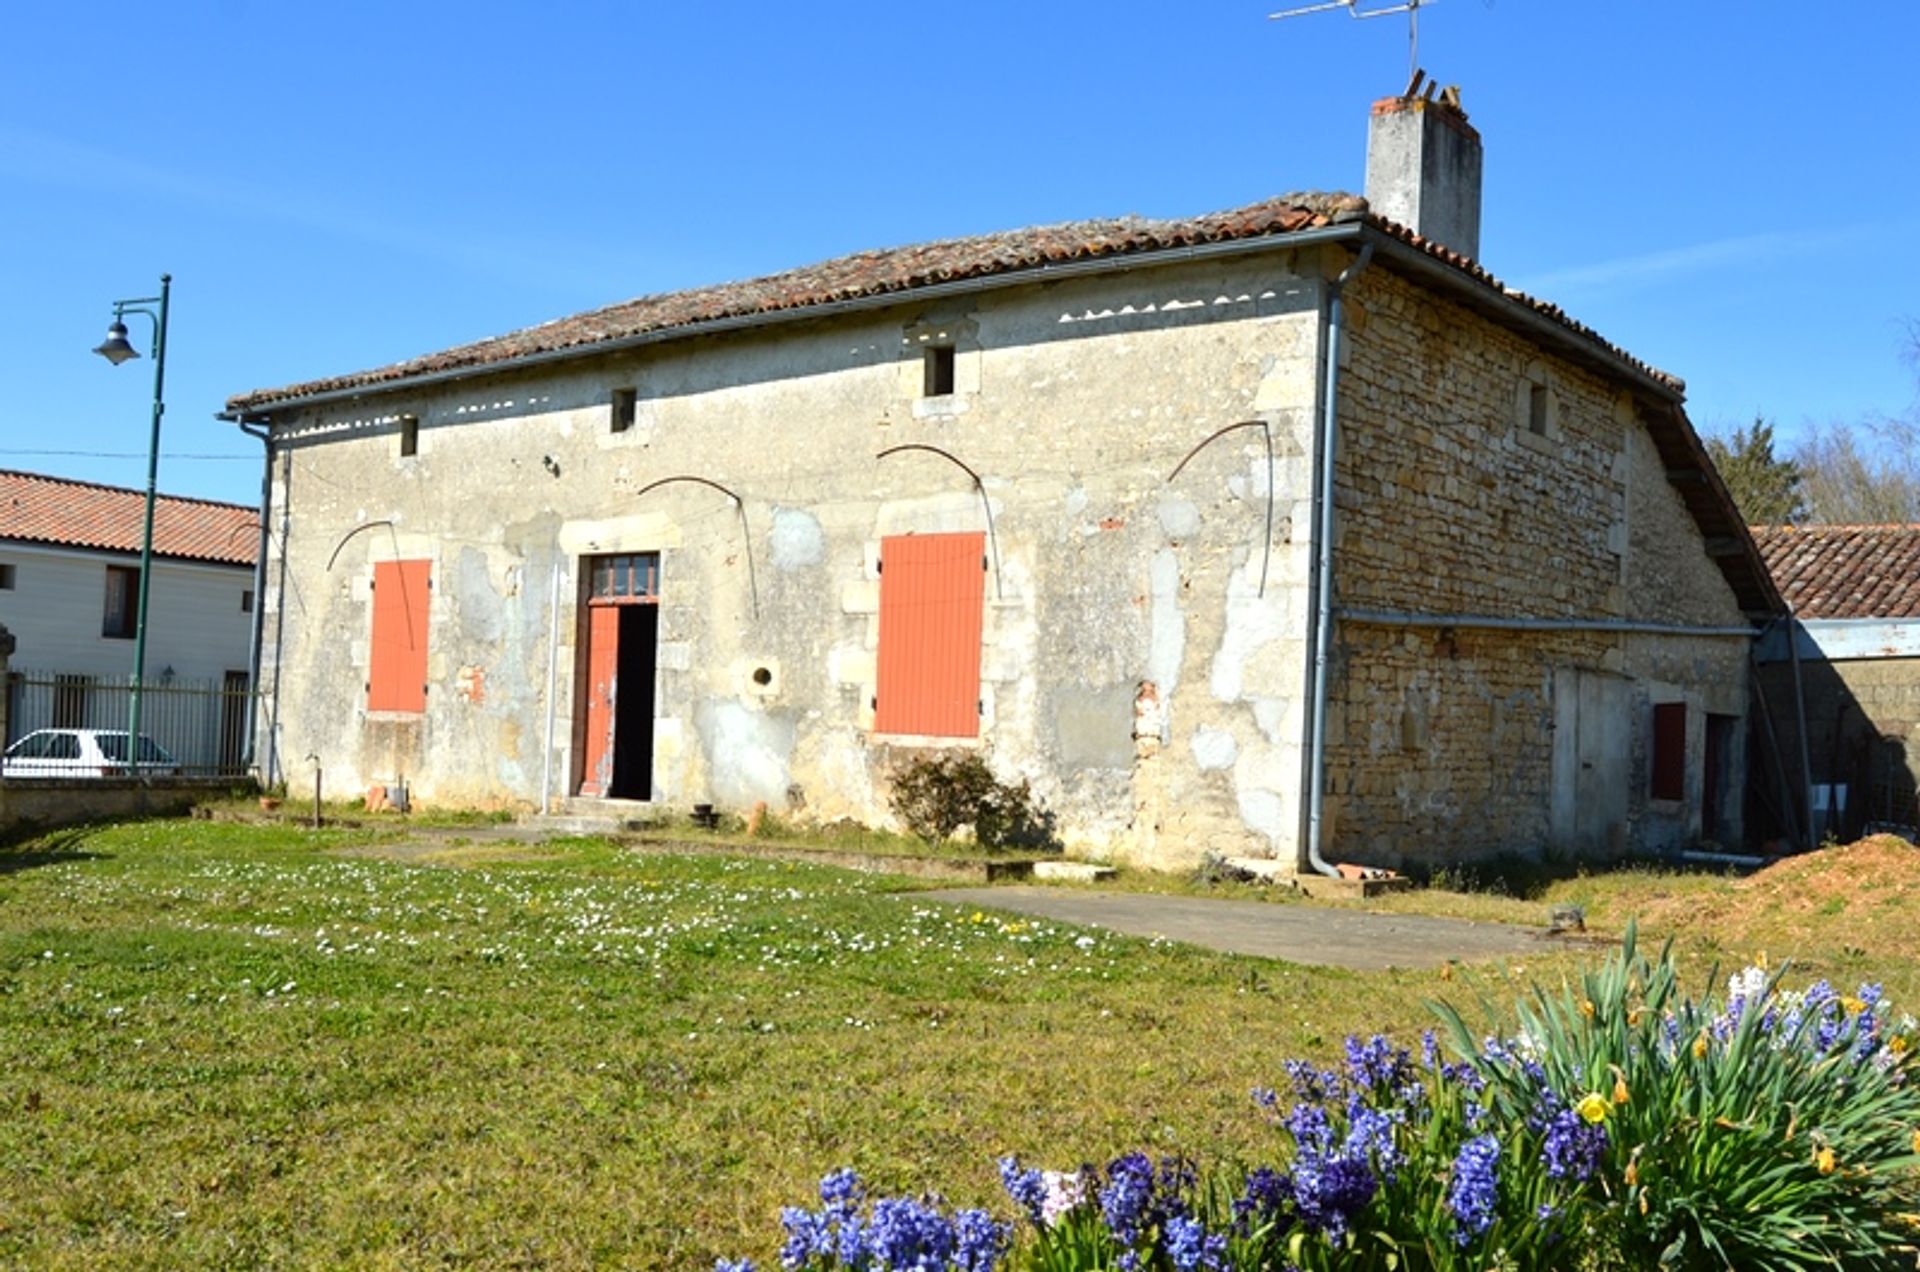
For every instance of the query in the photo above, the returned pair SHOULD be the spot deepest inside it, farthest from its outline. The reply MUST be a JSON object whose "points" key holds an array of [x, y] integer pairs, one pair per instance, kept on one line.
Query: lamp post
{"points": [[116, 350]]}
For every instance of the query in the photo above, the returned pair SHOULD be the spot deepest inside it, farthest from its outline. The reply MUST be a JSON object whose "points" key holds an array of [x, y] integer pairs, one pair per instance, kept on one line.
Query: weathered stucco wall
{"points": [[1448, 742], [1074, 401]]}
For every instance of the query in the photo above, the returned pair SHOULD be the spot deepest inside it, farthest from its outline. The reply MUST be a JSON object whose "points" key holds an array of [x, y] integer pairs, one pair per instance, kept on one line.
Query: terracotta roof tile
{"points": [[904, 269], [40, 509], [1845, 571]]}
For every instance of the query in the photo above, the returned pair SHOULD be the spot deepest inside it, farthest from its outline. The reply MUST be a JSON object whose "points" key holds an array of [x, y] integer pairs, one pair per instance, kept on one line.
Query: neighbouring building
{"points": [[1054, 494], [69, 593], [1853, 691]]}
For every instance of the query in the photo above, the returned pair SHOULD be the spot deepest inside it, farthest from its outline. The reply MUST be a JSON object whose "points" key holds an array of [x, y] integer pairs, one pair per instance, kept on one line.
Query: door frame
{"points": [[592, 595]]}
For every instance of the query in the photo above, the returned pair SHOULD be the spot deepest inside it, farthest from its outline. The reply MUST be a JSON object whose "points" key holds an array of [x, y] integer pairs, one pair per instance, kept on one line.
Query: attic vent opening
{"points": [[624, 402], [939, 371], [409, 435]]}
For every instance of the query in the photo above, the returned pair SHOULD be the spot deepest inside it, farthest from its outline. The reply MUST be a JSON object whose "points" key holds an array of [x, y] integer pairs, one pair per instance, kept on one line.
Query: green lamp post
{"points": [[116, 350]]}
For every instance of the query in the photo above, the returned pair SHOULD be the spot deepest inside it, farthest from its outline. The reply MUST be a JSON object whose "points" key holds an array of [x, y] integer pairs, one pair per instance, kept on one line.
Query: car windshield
{"points": [[114, 747]]}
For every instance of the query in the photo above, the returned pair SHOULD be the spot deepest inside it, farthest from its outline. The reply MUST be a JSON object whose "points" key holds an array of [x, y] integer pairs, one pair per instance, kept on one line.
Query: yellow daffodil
{"points": [[1633, 1172], [1916, 1142], [1592, 1107], [1586, 1008], [1823, 1161], [1898, 1044], [1854, 1006], [1700, 1046], [1619, 1089], [1760, 961], [1633, 1018]]}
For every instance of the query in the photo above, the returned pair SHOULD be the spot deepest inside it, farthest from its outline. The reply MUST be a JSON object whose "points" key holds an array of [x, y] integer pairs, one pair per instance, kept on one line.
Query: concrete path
{"points": [[1297, 933]]}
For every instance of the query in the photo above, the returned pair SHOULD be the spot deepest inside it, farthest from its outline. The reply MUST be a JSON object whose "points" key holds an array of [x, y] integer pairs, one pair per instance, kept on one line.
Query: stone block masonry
{"points": [[1462, 492]]}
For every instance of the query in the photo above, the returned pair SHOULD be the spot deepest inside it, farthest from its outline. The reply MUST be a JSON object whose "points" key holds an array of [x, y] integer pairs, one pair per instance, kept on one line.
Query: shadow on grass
{"points": [[29, 847], [1527, 879]]}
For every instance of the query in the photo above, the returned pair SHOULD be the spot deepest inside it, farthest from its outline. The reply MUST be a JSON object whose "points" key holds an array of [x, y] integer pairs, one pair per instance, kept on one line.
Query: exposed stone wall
{"points": [[1461, 494], [1074, 401]]}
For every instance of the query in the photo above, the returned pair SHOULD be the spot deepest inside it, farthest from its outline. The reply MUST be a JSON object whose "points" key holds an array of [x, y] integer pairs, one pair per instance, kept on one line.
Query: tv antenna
{"points": [[1409, 7]]}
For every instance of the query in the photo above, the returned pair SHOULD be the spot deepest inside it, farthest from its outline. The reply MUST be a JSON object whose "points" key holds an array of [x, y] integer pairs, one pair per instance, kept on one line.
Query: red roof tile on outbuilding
{"points": [[1845, 571], [35, 508]]}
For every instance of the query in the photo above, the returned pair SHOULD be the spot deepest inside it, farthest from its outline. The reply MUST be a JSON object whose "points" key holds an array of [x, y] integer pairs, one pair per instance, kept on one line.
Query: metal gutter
{"points": [[1111, 264], [1491, 622], [1323, 564], [265, 438]]}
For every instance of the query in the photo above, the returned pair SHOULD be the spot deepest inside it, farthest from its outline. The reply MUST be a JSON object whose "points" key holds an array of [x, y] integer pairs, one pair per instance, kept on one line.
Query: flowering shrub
{"points": [[1771, 1128], [1623, 1125], [892, 1233]]}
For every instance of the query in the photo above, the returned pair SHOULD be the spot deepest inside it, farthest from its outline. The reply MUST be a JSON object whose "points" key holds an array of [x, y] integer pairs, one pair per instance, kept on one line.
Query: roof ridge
{"points": [[879, 275], [1816, 527]]}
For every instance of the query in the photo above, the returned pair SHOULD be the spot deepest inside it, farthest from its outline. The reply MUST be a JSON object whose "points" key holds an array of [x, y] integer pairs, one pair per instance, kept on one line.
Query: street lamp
{"points": [[116, 350]]}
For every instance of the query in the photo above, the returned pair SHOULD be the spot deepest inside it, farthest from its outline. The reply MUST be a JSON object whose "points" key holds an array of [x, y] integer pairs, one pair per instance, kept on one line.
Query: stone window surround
{"points": [[1537, 375], [916, 340]]}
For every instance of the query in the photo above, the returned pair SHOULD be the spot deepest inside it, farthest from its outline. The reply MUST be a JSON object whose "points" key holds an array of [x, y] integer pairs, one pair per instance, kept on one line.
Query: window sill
{"points": [[926, 741], [944, 406], [1544, 443]]}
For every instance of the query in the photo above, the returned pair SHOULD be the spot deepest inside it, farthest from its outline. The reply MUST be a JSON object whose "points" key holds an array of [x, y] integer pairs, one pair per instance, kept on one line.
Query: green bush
{"points": [[936, 795]]}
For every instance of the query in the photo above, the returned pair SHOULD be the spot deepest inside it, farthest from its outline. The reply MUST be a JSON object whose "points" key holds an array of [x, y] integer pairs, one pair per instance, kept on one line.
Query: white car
{"points": [[83, 753]]}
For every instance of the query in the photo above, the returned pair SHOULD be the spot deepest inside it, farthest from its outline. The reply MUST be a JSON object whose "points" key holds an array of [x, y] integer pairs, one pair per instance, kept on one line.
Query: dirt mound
{"points": [[1861, 895], [1879, 862]]}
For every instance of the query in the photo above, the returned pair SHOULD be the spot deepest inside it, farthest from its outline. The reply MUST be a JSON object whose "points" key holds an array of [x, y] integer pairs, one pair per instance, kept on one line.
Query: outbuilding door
{"points": [[622, 623], [1592, 762]]}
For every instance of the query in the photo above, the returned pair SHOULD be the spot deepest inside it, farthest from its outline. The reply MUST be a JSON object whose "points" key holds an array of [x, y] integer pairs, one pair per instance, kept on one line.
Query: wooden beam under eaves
{"points": [[1686, 476], [1725, 545]]}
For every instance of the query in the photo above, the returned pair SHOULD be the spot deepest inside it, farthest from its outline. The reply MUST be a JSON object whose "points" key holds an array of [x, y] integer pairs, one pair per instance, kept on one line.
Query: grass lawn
{"points": [[227, 1045]]}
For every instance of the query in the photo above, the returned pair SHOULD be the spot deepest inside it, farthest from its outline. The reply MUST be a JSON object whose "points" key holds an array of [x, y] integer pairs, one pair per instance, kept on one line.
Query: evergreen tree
{"points": [[1766, 487]]}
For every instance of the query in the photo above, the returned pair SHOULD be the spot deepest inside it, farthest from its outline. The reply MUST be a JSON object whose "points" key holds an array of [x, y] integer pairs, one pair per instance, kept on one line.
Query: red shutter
{"points": [[1669, 750], [397, 680], [932, 591]]}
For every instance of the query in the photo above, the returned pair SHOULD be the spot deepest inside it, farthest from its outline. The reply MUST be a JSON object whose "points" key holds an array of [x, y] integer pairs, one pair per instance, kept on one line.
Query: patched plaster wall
{"points": [[1074, 401]]}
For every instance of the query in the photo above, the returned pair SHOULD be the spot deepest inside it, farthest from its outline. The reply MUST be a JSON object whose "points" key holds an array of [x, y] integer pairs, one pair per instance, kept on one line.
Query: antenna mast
{"points": [[1409, 7]]}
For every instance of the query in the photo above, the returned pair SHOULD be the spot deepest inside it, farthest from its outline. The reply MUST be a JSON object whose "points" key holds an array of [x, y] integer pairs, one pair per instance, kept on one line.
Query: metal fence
{"points": [[202, 724]]}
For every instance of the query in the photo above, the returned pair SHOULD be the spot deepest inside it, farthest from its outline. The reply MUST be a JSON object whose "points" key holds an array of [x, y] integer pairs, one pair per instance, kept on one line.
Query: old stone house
{"points": [[1056, 494]]}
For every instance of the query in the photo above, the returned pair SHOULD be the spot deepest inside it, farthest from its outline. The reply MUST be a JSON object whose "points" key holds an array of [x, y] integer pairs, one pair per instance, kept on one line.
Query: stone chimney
{"points": [[1423, 166]]}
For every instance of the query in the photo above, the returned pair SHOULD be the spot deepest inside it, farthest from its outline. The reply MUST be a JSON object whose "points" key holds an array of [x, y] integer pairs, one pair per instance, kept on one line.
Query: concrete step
{"points": [[561, 827], [1073, 871], [579, 816]]}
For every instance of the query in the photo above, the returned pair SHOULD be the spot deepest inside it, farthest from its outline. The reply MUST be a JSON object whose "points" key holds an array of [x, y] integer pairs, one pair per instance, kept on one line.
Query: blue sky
{"points": [[1731, 191]]}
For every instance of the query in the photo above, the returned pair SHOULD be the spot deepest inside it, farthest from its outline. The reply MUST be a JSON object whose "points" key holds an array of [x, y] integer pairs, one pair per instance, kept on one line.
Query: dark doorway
{"points": [[1713, 785], [235, 702], [633, 707]]}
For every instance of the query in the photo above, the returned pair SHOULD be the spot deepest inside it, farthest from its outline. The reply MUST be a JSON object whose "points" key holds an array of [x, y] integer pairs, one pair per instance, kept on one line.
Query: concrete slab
{"points": [[1073, 871], [1297, 933]]}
